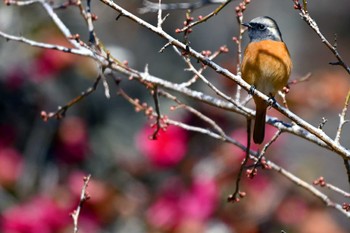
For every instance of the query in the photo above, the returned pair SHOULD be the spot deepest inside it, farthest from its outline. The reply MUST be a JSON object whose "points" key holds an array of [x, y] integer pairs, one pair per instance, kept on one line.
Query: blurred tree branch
{"points": [[84, 196], [154, 7]]}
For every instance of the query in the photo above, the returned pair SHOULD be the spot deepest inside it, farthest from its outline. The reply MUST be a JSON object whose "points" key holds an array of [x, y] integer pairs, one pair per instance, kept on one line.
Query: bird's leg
{"points": [[272, 101]]}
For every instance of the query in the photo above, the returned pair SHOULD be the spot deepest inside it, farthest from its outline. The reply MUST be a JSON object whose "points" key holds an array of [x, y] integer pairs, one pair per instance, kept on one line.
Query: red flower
{"points": [[178, 204], [11, 164], [41, 214], [73, 142], [50, 62], [167, 150]]}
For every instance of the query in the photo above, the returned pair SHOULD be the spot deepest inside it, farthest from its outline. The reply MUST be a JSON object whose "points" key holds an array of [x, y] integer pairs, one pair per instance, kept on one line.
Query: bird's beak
{"points": [[247, 25]]}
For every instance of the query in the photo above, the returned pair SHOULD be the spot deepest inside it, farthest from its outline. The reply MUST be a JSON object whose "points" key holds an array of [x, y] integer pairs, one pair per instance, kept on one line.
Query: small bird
{"points": [[266, 66]]}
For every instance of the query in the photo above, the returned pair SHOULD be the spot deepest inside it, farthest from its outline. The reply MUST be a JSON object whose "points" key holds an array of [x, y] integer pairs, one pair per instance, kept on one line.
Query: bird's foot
{"points": [[252, 90], [272, 101]]}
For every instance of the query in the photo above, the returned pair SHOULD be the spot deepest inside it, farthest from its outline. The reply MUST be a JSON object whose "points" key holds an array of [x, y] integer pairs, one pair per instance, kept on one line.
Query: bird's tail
{"points": [[259, 125]]}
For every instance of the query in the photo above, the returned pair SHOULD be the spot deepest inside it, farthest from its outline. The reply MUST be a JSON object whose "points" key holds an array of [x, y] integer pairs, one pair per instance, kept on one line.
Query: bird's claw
{"points": [[272, 101], [252, 90]]}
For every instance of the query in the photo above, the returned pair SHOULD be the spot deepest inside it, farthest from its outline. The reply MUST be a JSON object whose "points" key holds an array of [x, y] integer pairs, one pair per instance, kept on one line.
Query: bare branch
{"points": [[215, 89], [267, 145], [153, 7], [81, 52], [158, 115], [299, 127], [321, 182], [234, 196], [340, 150], [312, 23], [21, 3], [223, 49], [342, 120], [238, 40], [83, 198], [296, 180], [160, 18], [105, 83], [115, 65], [61, 111], [205, 18], [195, 112]]}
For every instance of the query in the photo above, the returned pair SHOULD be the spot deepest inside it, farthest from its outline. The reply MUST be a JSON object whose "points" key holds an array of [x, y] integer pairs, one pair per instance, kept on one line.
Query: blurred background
{"points": [[180, 182]]}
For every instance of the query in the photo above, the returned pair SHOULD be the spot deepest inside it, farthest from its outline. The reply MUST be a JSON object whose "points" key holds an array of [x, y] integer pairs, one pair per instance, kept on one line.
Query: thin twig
{"points": [[223, 49], [21, 3], [347, 168], [153, 7], [238, 40], [195, 112], [267, 145], [61, 111], [342, 120], [205, 18], [338, 190], [300, 80], [322, 182], [158, 115], [312, 23], [81, 52], [104, 82], [286, 89], [215, 89], [160, 18], [234, 196], [84, 196], [296, 180], [65, 4]]}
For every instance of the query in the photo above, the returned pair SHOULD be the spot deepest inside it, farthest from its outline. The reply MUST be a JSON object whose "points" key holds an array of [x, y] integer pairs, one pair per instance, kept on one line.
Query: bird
{"points": [[266, 66]]}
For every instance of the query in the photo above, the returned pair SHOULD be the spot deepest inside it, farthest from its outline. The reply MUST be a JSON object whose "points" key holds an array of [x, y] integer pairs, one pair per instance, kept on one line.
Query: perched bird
{"points": [[266, 66]]}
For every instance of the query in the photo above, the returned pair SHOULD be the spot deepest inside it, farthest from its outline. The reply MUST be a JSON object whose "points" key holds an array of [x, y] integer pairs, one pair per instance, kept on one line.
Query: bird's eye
{"points": [[261, 27]]}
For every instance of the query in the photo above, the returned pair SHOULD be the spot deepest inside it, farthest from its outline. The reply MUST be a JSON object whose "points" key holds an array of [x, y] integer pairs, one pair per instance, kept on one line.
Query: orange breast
{"points": [[266, 65]]}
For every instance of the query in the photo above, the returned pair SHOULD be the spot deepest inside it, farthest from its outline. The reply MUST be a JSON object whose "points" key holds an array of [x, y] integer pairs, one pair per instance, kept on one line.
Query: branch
{"points": [[195, 112], [300, 127], [312, 23], [296, 180], [340, 150], [81, 52], [61, 111], [342, 120], [234, 197], [154, 7], [115, 65], [263, 151], [205, 18], [215, 89], [293, 178], [321, 182], [84, 196], [223, 49], [158, 115]]}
